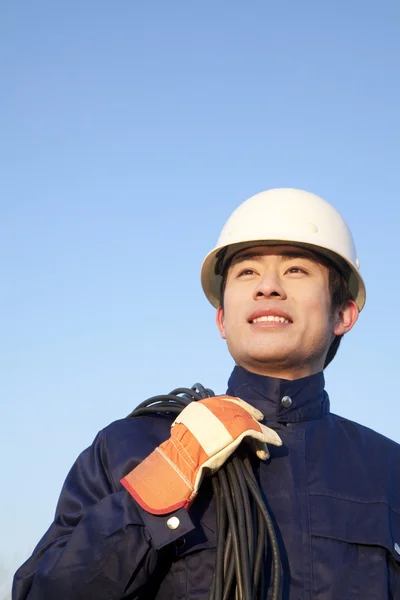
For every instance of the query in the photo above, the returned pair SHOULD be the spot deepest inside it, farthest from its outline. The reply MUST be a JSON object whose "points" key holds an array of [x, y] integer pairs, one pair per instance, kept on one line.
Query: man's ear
{"points": [[219, 318], [346, 318]]}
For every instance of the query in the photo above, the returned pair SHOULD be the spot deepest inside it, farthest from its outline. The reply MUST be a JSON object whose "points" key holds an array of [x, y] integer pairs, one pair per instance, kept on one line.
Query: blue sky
{"points": [[130, 132]]}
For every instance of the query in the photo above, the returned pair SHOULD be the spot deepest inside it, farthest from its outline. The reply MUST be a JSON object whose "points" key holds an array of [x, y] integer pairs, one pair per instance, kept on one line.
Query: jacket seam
{"points": [[106, 465]]}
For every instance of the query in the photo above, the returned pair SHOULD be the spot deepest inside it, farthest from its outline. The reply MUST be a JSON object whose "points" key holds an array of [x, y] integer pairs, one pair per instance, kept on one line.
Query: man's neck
{"points": [[288, 373]]}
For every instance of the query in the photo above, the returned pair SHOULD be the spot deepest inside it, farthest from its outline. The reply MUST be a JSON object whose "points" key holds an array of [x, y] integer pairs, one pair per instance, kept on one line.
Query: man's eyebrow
{"points": [[286, 255], [299, 254], [238, 258]]}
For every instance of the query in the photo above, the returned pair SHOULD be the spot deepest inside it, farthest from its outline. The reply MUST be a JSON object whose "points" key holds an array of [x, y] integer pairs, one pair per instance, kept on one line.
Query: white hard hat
{"points": [[285, 216]]}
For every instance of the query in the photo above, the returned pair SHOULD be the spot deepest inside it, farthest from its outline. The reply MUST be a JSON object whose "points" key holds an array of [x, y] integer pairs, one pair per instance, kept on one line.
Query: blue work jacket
{"points": [[333, 490]]}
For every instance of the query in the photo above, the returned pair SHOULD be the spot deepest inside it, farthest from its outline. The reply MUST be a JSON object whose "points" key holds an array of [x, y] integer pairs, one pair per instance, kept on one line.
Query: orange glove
{"points": [[203, 436]]}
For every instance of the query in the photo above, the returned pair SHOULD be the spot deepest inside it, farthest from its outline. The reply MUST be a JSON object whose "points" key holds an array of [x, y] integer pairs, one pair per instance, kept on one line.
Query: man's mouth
{"points": [[270, 315], [270, 318]]}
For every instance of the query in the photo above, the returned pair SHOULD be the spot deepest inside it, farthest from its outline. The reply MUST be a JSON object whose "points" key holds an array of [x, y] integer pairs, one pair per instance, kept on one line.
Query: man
{"points": [[285, 280]]}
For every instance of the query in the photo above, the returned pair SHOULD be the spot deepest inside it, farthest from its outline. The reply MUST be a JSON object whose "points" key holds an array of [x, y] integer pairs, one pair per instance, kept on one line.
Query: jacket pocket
{"points": [[355, 549]]}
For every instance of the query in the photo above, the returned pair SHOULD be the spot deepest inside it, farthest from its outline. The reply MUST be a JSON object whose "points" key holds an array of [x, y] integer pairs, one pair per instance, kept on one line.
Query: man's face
{"points": [[277, 317]]}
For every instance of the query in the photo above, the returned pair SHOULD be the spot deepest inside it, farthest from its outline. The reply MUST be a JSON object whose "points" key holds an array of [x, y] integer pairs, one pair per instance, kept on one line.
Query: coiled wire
{"points": [[246, 538]]}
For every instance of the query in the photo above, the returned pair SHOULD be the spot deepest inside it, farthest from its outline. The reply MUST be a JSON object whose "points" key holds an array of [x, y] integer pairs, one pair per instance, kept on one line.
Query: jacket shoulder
{"points": [[145, 426], [365, 464], [126, 442], [350, 461], [362, 432]]}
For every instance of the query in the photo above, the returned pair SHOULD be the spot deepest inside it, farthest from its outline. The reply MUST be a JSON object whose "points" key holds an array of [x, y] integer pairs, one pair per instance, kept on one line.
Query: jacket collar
{"points": [[307, 397]]}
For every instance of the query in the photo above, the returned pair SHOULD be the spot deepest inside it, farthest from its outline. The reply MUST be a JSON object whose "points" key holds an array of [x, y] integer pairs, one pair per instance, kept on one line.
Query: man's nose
{"points": [[270, 286]]}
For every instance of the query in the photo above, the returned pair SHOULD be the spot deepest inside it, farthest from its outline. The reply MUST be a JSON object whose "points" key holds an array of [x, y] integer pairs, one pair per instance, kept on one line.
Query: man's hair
{"points": [[338, 288]]}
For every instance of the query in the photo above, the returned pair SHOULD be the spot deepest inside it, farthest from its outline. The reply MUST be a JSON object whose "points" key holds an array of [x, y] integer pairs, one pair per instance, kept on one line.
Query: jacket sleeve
{"points": [[101, 543]]}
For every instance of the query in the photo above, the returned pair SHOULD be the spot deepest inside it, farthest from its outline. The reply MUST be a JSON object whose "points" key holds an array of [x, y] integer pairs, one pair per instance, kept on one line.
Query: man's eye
{"points": [[296, 270], [245, 272]]}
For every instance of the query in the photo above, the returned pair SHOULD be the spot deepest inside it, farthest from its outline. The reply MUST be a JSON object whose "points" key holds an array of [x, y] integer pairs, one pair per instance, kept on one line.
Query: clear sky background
{"points": [[129, 133]]}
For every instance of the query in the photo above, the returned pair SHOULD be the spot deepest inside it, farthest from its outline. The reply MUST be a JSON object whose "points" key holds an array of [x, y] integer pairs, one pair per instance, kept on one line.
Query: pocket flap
{"points": [[369, 523]]}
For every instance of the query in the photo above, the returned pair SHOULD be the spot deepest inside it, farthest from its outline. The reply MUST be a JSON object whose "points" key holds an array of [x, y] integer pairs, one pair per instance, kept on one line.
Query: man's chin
{"points": [[275, 356], [276, 360]]}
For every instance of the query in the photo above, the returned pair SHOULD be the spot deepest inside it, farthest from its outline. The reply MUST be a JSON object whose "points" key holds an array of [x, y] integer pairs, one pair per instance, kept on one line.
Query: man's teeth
{"points": [[271, 318]]}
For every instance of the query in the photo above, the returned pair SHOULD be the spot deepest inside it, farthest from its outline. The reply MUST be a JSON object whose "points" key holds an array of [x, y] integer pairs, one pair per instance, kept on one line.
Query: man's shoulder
{"points": [[361, 464], [137, 436], [359, 432], [154, 426], [122, 444]]}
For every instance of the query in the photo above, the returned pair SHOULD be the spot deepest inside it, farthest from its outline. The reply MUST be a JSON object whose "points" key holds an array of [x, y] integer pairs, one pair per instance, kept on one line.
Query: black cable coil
{"points": [[245, 530]]}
